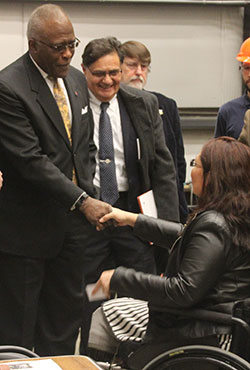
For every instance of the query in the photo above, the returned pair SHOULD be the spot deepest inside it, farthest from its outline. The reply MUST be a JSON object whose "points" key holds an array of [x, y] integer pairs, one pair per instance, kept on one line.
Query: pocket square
{"points": [[160, 112], [85, 110]]}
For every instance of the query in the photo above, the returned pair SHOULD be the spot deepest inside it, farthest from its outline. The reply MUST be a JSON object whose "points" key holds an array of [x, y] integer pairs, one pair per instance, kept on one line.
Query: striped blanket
{"points": [[127, 317]]}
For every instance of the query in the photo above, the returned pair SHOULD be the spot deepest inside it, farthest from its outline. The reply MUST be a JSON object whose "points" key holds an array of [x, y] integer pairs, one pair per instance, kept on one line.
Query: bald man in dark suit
{"points": [[46, 204]]}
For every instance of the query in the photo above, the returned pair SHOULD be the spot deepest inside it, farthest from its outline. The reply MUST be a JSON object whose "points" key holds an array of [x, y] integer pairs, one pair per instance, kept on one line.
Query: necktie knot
{"points": [[104, 106], [53, 80]]}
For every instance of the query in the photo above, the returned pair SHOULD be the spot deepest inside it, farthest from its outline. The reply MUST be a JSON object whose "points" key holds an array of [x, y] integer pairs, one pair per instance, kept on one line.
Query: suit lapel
{"points": [[137, 111], [76, 105], [45, 98], [126, 128]]}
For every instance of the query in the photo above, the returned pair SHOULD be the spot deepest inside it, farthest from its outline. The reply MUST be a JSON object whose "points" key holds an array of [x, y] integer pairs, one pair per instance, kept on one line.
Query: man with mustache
{"points": [[139, 160], [230, 118], [135, 69]]}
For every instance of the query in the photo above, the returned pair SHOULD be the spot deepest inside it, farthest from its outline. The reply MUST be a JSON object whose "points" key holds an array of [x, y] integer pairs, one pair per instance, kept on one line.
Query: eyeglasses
{"points": [[245, 68], [59, 48], [134, 66], [102, 74]]}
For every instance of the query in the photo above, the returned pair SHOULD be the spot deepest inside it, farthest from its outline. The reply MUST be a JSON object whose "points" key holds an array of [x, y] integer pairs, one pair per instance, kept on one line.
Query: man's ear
{"points": [[83, 68], [32, 46]]}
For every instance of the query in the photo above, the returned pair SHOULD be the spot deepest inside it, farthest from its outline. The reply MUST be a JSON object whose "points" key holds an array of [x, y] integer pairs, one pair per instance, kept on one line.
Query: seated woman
{"points": [[209, 263]]}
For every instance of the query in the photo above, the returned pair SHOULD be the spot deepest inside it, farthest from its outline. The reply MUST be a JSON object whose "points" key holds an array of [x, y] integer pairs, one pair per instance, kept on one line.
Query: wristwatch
{"points": [[80, 201]]}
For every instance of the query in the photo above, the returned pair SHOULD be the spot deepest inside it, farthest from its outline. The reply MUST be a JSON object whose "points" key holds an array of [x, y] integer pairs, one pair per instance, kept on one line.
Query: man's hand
{"points": [[94, 209], [119, 218]]}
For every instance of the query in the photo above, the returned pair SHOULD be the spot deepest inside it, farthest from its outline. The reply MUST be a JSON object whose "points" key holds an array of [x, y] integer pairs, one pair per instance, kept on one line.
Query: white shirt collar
{"points": [[95, 103]]}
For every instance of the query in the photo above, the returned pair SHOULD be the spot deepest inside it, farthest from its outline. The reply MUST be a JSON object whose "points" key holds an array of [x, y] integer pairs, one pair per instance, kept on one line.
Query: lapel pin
{"points": [[76, 93]]}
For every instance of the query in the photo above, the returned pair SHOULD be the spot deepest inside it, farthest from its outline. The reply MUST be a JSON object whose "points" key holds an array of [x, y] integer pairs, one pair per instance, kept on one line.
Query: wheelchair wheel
{"points": [[197, 358]]}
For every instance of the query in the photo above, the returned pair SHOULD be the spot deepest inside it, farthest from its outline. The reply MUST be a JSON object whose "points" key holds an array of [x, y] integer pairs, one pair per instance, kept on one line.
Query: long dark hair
{"points": [[226, 186]]}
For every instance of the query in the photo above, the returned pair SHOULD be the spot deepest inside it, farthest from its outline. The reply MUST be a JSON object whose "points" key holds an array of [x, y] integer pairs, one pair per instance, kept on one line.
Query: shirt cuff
{"points": [[74, 205]]}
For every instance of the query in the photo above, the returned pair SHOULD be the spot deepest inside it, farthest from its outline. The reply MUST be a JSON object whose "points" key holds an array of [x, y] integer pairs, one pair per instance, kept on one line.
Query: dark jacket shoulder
{"points": [[165, 100], [137, 93]]}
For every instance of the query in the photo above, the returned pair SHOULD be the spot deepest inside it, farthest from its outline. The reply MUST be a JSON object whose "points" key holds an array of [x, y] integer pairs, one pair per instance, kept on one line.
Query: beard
{"points": [[247, 87], [137, 81]]}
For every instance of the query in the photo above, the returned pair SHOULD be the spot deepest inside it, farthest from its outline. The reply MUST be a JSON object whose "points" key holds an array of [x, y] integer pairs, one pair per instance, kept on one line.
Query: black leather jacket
{"points": [[205, 270]]}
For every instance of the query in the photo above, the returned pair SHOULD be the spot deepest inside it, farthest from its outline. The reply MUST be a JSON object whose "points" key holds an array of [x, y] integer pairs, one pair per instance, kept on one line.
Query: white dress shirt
{"points": [[115, 119]]}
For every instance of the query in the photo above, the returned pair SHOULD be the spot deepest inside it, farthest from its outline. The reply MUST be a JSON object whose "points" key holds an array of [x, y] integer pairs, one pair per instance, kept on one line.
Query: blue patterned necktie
{"points": [[108, 182]]}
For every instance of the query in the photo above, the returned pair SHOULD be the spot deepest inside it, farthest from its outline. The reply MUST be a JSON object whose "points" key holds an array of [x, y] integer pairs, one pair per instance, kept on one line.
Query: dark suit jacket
{"points": [[174, 142], [155, 168], [37, 159]]}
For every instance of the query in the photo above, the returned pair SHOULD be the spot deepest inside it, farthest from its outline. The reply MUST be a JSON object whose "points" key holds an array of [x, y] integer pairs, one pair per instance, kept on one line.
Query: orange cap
{"points": [[244, 53]]}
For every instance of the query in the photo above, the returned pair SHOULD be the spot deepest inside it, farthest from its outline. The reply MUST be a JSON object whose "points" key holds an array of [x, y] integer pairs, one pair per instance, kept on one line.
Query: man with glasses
{"points": [[46, 204], [137, 161], [135, 69], [230, 118]]}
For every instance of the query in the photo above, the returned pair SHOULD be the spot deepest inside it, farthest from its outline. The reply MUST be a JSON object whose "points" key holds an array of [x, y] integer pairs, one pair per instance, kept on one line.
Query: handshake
{"points": [[102, 214], [94, 210]]}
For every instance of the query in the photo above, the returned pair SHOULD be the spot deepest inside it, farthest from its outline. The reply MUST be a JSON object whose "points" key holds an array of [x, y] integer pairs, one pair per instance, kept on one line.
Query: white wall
{"points": [[193, 141], [193, 47]]}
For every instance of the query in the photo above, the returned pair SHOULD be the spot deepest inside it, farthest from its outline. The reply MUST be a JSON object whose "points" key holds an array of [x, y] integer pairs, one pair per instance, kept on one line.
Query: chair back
{"points": [[9, 352]]}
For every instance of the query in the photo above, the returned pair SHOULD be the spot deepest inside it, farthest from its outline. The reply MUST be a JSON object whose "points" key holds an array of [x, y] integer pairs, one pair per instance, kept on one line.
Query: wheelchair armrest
{"points": [[200, 314], [207, 315]]}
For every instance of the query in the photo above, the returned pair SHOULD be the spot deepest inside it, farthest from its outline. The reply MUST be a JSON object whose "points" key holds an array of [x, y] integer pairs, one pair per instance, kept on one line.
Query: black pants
{"points": [[41, 299]]}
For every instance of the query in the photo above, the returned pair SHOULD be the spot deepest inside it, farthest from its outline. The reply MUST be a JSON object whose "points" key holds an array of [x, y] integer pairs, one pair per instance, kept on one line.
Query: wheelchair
{"points": [[197, 357], [205, 357], [200, 357]]}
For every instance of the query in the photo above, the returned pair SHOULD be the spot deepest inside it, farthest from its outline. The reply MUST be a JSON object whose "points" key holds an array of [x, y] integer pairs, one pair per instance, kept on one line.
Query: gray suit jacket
{"points": [[37, 159]]}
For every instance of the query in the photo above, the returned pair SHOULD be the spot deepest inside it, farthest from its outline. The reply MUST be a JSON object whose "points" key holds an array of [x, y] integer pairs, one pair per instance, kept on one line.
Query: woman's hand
{"points": [[121, 218], [104, 283]]}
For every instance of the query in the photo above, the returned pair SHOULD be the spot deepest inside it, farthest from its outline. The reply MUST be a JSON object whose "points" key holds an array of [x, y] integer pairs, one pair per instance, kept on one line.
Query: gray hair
{"points": [[40, 15]]}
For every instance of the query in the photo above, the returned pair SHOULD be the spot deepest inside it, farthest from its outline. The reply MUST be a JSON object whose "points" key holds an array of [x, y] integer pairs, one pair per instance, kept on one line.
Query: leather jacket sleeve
{"points": [[163, 233], [202, 261]]}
